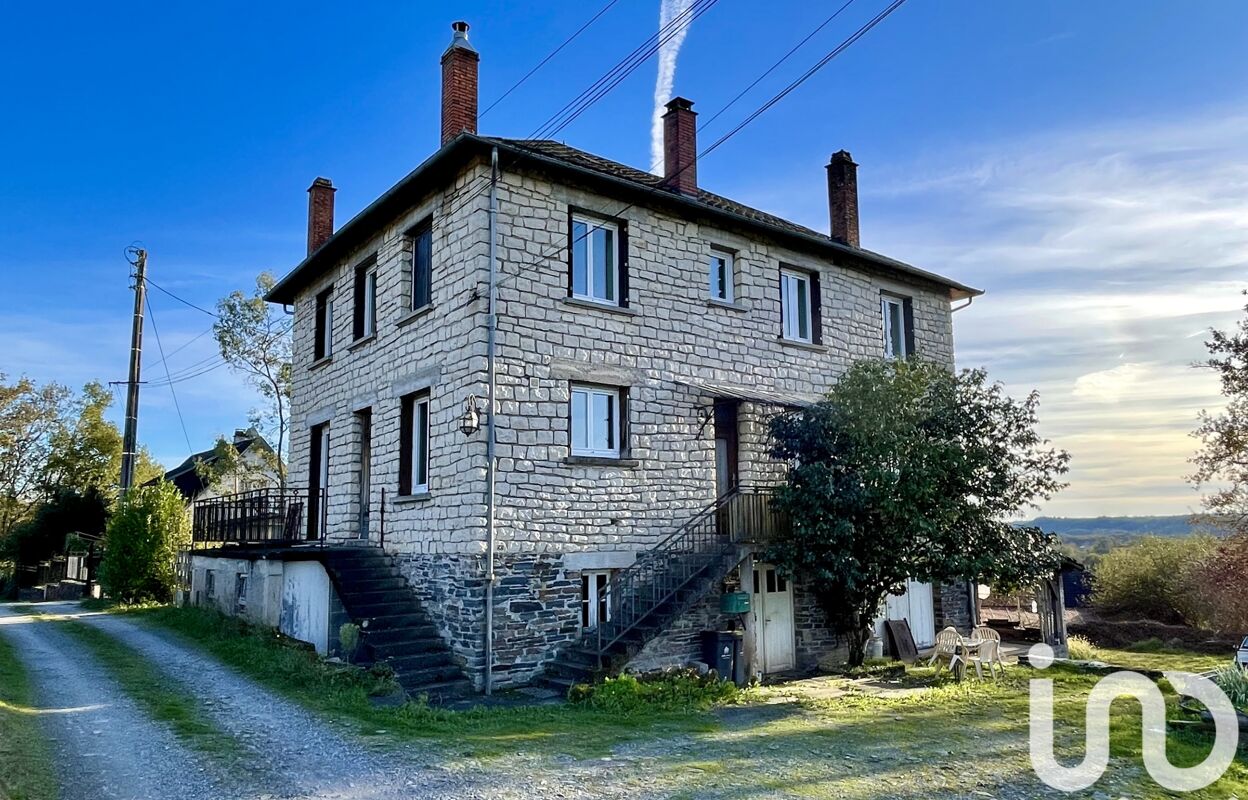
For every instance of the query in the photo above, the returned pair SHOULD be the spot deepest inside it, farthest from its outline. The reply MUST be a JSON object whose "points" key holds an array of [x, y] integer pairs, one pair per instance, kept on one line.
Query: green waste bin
{"points": [[734, 602]]}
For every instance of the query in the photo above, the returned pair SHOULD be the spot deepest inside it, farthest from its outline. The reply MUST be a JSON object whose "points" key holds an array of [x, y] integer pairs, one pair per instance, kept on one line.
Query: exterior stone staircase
{"points": [[664, 583], [394, 626]]}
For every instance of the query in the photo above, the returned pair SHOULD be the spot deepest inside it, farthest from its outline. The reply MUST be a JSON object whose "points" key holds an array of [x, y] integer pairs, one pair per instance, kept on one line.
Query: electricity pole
{"points": [[129, 445]]}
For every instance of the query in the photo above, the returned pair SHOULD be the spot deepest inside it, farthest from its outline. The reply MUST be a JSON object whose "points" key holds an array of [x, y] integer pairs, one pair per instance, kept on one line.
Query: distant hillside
{"points": [[1080, 529]]}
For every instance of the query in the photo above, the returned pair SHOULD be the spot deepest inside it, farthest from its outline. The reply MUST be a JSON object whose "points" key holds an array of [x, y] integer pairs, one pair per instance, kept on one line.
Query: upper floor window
{"points": [[720, 275], [420, 255], [898, 321], [596, 421], [799, 306], [324, 345], [414, 444], [365, 321], [596, 269]]}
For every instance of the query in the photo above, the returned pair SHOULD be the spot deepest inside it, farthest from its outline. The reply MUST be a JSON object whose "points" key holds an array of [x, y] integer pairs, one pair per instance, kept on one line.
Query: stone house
{"points": [[541, 381], [254, 469]]}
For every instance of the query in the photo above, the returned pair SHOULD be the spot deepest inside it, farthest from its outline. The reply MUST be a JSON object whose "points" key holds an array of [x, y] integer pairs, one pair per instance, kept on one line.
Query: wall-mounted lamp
{"points": [[470, 422]]}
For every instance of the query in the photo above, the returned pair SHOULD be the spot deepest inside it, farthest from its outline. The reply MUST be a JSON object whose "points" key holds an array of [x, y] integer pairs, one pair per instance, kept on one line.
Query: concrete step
{"points": [[418, 661], [392, 621], [411, 679], [396, 636]]}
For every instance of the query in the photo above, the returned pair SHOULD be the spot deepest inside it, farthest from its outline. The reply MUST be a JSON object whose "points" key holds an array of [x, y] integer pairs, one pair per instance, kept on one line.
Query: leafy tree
{"points": [[45, 534], [1155, 578], [29, 415], [255, 340], [907, 470], [1219, 584], [1223, 458], [141, 544], [85, 451], [227, 464]]}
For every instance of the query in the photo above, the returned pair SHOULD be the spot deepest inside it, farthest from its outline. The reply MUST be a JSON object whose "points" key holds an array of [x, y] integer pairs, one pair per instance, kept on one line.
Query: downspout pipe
{"points": [[491, 404]]}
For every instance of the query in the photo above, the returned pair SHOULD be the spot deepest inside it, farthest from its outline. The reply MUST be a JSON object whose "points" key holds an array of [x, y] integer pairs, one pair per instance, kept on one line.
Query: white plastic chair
{"points": [[986, 634], [989, 654], [947, 643]]}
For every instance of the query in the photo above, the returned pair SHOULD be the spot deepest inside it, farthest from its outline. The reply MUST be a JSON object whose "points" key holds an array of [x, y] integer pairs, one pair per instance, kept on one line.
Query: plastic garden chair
{"points": [[947, 643], [986, 634], [989, 654]]}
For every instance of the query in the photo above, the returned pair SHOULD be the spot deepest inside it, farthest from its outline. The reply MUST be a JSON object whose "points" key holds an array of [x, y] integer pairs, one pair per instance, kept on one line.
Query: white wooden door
{"points": [[772, 606], [915, 607]]}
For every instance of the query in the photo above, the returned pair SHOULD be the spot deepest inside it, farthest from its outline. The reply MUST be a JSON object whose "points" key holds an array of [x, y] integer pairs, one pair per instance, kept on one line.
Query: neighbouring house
{"points": [[195, 477], [636, 332]]}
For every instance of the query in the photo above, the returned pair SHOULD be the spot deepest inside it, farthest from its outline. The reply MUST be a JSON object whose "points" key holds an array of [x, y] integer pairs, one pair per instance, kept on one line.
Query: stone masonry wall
{"points": [[547, 503]]}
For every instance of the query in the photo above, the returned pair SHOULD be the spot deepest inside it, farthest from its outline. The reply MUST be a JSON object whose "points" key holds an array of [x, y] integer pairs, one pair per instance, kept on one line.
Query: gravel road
{"points": [[290, 752], [106, 747]]}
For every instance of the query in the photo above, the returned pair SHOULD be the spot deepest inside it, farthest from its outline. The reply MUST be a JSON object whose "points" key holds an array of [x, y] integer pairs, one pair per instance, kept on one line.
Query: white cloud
{"points": [[1107, 254], [1110, 385]]}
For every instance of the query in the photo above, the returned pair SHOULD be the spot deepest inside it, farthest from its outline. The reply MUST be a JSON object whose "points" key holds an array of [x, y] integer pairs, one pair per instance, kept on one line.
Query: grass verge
{"points": [[25, 757], [295, 672], [165, 701]]}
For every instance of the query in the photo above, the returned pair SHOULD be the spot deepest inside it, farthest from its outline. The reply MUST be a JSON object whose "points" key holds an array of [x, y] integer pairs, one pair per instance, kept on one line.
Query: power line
{"points": [[548, 57], [172, 391], [596, 91], [188, 303], [186, 344], [820, 64], [844, 45], [774, 66]]}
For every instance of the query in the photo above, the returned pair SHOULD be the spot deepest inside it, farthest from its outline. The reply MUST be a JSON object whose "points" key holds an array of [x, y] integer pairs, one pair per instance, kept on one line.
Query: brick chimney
{"points": [[320, 213], [843, 197], [459, 85], [680, 146]]}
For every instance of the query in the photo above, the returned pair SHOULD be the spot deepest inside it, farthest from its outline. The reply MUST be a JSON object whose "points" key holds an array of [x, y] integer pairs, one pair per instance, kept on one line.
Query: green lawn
{"points": [[920, 737], [25, 762]]}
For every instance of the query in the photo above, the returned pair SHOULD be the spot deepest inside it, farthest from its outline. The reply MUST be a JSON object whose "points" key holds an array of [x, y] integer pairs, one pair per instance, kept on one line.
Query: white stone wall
{"points": [[669, 332], [442, 350]]}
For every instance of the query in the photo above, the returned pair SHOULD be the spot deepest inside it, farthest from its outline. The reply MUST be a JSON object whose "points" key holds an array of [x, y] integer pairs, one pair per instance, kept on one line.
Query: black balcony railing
{"points": [[261, 516], [695, 551]]}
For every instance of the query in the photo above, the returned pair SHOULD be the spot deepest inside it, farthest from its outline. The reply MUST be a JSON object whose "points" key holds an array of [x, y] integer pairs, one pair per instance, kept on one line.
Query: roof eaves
{"points": [[340, 243], [957, 291]]}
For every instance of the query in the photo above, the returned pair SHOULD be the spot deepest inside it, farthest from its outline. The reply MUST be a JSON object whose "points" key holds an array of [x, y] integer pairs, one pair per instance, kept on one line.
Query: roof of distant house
{"points": [[186, 477], [610, 177]]}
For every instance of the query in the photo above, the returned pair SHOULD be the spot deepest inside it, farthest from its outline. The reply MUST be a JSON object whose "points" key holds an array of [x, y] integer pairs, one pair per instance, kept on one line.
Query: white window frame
{"points": [[370, 303], [420, 445], [613, 397], [591, 289], [887, 304], [790, 320], [727, 295], [591, 601]]}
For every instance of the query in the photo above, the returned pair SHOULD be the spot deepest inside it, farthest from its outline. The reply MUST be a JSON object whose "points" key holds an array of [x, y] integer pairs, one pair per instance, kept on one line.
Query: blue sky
{"points": [[1086, 163]]}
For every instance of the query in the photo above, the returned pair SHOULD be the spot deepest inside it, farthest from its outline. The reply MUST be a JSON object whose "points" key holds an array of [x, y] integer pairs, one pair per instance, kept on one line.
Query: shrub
{"points": [[1082, 650], [675, 690], [1223, 579], [349, 640], [141, 544], [1155, 578], [1233, 679]]}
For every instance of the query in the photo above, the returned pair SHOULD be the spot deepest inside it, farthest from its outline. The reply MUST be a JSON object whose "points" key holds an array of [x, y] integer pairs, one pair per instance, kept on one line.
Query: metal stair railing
{"points": [[659, 574]]}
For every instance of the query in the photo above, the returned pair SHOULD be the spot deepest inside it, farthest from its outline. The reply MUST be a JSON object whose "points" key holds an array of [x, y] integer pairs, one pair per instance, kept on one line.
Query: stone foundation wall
{"points": [[537, 608], [816, 642]]}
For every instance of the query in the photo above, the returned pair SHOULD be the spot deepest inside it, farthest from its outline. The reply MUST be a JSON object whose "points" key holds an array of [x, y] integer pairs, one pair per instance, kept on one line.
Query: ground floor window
{"points": [[595, 597]]}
